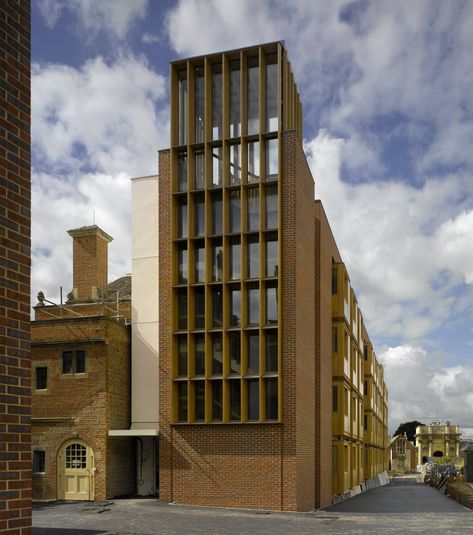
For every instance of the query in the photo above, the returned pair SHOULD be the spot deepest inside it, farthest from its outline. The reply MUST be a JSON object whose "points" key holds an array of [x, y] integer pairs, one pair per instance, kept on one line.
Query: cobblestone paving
{"points": [[390, 510]]}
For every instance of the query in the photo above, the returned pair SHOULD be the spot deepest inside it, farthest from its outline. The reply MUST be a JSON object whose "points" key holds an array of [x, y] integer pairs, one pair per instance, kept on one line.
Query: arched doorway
{"points": [[438, 453], [75, 471]]}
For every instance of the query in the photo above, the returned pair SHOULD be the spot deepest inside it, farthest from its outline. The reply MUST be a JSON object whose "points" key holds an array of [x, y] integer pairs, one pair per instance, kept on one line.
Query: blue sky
{"points": [[388, 128]]}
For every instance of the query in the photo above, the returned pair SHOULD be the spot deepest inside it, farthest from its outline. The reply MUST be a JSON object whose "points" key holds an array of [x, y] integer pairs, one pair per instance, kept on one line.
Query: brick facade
{"points": [[15, 203]]}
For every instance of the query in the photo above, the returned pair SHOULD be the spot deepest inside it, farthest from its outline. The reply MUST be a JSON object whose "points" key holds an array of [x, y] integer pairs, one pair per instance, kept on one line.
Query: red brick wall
{"points": [[325, 250], [15, 158]]}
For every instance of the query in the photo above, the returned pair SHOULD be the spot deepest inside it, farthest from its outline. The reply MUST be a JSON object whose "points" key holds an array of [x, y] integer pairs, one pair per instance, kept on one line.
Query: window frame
{"points": [[74, 372]]}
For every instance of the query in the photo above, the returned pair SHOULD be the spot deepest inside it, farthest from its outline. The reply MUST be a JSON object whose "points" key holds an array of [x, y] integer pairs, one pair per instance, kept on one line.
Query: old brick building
{"points": [[15, 189], [81, 382], [247, 311]]}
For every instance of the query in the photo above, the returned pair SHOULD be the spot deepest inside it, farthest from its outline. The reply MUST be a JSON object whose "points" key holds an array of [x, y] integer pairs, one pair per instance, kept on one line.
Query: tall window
{"points": [[235, 306], [199, 388], [235, 258], [217, 354], [235, 351], [235, 164], [271, 391], [253, 352], [334, 340], [199, 104], [217, 400], [182, 90], [217, 214], [271, 304], [272, 256], [253, 161], [200, 263], [182, 401], [253, 256], [182, 218], [41, 377], [235, 399], [182, 265], [217, 166], [182, 309], [199, 170], [216, 101], [217, 262], [73, 362], [217, 306], [253, 304], [253, 96], [235, 129], [199, 307], [334, 280], [272, 159], [235, 216], [182, 171], [199, 213], [271, 353], [253, 209], [335, 398], [271, 92], [182, 355], [253, 399], [199, 349], [39, 462], [271, 207]]}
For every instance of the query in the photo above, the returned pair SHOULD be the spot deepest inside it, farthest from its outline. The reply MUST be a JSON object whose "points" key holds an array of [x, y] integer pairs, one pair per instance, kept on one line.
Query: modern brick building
{"points": [[81, 382], [258, 324], [15, 215]]}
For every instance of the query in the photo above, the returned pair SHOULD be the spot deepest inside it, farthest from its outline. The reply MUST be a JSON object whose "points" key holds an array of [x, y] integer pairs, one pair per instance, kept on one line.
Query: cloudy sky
{"points": [[387, 88]]}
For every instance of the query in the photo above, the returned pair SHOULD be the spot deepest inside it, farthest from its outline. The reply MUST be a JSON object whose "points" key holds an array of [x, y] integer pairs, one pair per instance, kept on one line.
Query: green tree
{"points": [[409, 428]]}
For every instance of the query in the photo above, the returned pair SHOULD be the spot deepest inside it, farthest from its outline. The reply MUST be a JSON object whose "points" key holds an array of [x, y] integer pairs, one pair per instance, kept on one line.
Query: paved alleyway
{"points": [[403, 507]]}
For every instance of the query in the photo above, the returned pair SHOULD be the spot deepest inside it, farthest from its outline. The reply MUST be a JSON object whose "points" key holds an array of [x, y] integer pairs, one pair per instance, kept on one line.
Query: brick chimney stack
{"points": [[90, 263]]}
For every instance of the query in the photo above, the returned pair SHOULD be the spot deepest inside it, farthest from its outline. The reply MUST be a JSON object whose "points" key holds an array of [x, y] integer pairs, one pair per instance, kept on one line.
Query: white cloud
{"points": [[92, 131], [421, 388], [149, 38], [115, 17]]}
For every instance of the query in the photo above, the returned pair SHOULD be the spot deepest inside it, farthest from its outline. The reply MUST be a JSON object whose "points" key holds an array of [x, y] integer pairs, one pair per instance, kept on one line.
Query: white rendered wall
{"points": [[144, 330]]}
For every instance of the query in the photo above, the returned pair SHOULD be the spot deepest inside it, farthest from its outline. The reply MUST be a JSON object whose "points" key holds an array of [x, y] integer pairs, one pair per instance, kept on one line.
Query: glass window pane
{"points": [[182, 402], [41, 378], [234, 98], [271, 351], [199, 104], [235, 164], [182, 355], [199, 170], [217, 354], [217, 400], [217, 262], [39, 461], [253, 209], [199, 363], [235, 307], [199, 223], [67, 360], [253, 96], [216, 101], [253, 399], [235, 399], [272, 258], [271, 305], [272, 158], [272, 207], [182, 219], [235, 352], [217, 166], [253, 305], [182, 309], [217, 306], [235, 217], [217, 214], [253, 352], [235, 258], [271, 91], [182, 171], [200, 264], [199, 388], [182, 265], [271, 399], [253, 161], [253, 257], [182, 89], [80, 361], [199, 304]]}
